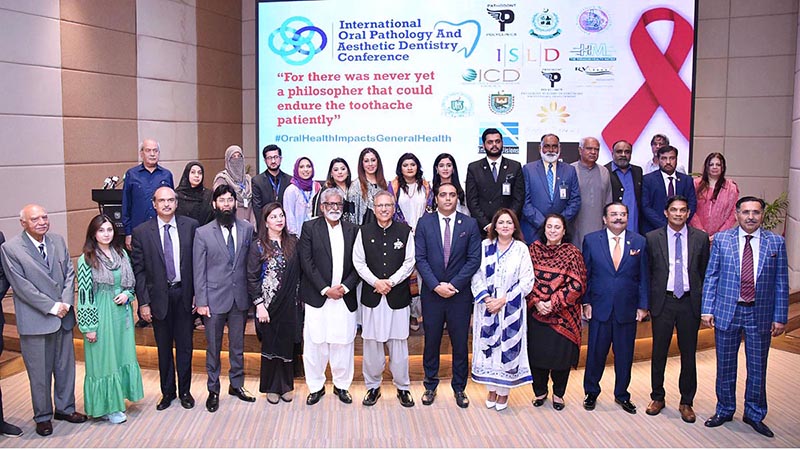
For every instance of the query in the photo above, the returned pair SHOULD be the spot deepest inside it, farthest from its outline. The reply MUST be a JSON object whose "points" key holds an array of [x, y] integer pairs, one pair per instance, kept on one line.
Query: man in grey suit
{"points": [[40, 271], [220, 288]]}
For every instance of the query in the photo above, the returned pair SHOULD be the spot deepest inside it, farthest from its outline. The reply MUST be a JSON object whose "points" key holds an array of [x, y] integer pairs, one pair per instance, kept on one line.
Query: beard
{"points": [[333, 216], [225, 218], [549, 157]]}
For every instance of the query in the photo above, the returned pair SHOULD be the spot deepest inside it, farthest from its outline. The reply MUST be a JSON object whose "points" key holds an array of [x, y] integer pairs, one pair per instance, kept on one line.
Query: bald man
{"points": [[39, 269]]}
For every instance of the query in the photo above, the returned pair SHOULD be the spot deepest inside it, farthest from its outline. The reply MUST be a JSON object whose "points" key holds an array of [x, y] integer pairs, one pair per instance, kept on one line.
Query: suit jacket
{"points": [[485, 196], [36, 286], [658, 263], [617, 188], [465, 256], [620, 291], [3, 285], [149, 266], [723, 276], [264, 194], [218, 283], [654, 197], [317, 262], [537, 196]]}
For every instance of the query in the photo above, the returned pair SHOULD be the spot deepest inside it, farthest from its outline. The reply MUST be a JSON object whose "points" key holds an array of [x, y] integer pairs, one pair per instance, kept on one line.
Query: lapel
{"points": [[217, 232], [662, 189], [762, 253], [156, 236], [602, 240], [733, 248], [183, 238], [457, 227], [240, 240], [502, 169], [438, 234], [322, 231], [663, 247], [626, 250], [34, 252]]}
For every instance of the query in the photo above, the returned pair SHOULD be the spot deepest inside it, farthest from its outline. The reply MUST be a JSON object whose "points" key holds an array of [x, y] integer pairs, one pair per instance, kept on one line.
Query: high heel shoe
{"points": [[537, 402], [558, 406], [489, 402]]}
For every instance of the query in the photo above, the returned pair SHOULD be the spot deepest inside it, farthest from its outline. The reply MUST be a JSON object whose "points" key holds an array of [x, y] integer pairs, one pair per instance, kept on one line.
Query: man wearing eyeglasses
{"points": [[595, 186], [270, 185], [140, 184]]}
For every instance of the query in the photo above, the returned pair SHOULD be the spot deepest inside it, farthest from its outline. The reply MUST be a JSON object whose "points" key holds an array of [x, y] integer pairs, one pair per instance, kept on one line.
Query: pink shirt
{"points": [[715, 215]]}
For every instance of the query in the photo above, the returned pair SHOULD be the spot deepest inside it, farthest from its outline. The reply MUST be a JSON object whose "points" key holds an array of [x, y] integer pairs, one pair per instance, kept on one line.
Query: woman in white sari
{"points": [[499, 344]]}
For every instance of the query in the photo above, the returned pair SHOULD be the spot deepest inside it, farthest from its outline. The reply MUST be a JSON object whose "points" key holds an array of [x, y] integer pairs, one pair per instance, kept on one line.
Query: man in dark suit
{"points": [[677, 256], [626, 182], [615, 301], [328, 287], [662, 184], [493, 182], [551, 186], [448, 253], [269, 185], [162, 262], [6, 429], [746, 292], [219, 259]]}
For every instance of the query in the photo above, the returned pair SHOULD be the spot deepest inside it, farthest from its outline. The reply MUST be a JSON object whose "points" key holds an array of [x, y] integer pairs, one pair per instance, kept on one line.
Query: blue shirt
{"points": [[628, 196], [137, 194]]}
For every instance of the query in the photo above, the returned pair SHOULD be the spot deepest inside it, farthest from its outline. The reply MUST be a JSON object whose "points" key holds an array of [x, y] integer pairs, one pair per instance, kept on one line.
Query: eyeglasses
{"points": [[273, 158], [384, 205], [333, 205]]}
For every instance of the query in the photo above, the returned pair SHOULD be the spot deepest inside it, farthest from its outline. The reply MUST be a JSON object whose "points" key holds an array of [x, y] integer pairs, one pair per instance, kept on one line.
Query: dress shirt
{"points": [[555, 176], [137, 194], [452, 218], [224, 235], [612, 243], [754, 244], [499, 162], [666, 181], [628, 196], [684, 258], [176, 247], [336, 236]]}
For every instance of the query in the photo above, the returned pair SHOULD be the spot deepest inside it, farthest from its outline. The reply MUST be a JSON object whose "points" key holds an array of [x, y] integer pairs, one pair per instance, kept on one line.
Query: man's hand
{"points": [[383, 287], [261, 313], [128, 242], [708, 320], [63, 309], [204, 311], [335, 292], [587, 312], [145, 314], [91, 337], [777, 329], [445, 290], [641, 314]]}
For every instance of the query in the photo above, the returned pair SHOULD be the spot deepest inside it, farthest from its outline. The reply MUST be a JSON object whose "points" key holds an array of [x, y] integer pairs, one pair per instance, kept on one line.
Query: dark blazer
{"points": [[465, 256], [147, 256], [263, 194], [537, 196], [658, 264], [654, 197], [616, 188], [3, 286], [623, 290], [219, 284], [316, 261], [485, 196]]}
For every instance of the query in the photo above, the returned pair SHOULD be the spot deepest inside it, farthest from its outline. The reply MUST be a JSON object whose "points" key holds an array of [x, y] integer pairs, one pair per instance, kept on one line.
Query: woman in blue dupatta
{"points": [[499, 345]]}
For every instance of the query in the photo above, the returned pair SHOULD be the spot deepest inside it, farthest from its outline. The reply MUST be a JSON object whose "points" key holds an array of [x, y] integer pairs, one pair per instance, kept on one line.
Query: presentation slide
{"points": [[427, 77]]}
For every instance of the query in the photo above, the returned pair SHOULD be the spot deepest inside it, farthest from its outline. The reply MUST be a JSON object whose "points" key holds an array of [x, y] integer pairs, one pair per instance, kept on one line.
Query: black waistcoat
{"points": [[385, 251]]}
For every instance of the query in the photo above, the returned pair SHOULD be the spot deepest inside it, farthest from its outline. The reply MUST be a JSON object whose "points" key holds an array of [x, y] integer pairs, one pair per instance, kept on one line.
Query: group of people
{"points": [[523, 255]]}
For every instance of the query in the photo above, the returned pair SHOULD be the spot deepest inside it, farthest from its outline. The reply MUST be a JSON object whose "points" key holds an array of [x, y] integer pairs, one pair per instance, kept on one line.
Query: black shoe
{"points": [[241, 393], [372, 396], [314, 397], [717, 420], [760, 427], [11, 431], [589, 402], [44, 428], [212, 404], [626, 405], [343, 395], [461, 399], [165, 401], [187, 401], [405, 398], [75, 417], [428, 397], [537, 402], [558, 406]]}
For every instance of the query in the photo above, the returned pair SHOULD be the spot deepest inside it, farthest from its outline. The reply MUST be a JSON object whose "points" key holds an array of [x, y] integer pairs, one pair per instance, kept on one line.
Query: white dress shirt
{"points": [[442, 224], [176, 245], [224, 235], [684, 257]]}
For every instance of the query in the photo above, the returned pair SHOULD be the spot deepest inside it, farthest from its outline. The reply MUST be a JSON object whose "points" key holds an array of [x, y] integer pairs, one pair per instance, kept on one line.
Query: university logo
{"points": [[297, 40], [457, 105], [545, 25], [504, 16], [501, 103], [593, 20]]}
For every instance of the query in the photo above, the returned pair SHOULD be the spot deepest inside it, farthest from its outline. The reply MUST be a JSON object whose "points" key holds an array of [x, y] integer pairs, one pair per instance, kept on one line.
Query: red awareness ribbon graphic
{"points": [[662, 85]]}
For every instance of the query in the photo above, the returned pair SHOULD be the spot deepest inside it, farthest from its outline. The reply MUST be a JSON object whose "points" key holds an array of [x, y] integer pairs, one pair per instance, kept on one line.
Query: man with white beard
{"points": [[551, 186], [328, 287]]}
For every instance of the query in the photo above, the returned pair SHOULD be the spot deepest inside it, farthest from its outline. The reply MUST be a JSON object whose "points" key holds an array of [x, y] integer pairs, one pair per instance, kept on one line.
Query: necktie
{"points": [[231, 248], [169, 257], [748, 289], [44, 255], [494, 171], [678, 289], [671, 190], [447, 239], [617, 255], [550, 180]]}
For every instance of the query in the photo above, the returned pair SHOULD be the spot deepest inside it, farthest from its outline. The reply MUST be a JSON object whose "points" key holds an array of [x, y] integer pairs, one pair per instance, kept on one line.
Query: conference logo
{"points": [[457, 105], [467, 29], [593, 52], [509, 131], [552, 77], [504, 15], [594, 71], [489, 76], [545, 25], [553, 112], [593, 20], [297, 41], [501, 103]]}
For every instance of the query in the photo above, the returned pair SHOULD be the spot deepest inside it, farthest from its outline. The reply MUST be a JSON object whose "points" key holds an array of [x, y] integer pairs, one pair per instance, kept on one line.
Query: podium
{"points": [[109, 202]]}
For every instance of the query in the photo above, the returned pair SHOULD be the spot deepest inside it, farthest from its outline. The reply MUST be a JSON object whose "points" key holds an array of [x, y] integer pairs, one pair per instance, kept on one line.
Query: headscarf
{"points": [[235, 176], [185, 187], [303, 185], [194, 202]]}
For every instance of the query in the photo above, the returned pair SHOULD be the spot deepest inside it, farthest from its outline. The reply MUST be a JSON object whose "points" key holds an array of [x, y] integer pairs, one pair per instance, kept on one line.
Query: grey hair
{"points": [[158, 145], [582, 142], [382, 193], [327, 193], [550, 134]]}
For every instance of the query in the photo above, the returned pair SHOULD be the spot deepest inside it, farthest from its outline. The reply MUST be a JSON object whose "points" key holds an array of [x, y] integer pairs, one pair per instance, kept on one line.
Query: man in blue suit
{"points": [[615, 300], [746, 292], [551, 186], [662, 184], [448, 252]]}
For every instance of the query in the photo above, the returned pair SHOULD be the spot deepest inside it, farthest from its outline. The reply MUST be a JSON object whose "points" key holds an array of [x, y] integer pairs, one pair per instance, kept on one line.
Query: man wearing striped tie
{"points": [[746, 293]]}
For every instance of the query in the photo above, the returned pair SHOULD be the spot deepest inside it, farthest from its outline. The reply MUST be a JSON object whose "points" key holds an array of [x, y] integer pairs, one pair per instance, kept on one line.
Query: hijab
{"points": [[303, 185]]}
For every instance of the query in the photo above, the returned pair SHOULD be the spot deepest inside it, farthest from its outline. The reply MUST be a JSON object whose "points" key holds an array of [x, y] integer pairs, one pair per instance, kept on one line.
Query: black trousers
{"points": [[176, 329], [454, 313], [677, 313], [540, 380]]}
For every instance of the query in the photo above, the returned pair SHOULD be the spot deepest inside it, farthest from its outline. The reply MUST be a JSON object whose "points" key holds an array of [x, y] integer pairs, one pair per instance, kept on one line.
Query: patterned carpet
{"points": [[333, 424]]}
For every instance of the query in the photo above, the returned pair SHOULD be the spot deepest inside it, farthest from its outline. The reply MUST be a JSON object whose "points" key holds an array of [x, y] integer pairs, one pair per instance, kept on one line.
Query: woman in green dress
{"points": [[105, 317]]}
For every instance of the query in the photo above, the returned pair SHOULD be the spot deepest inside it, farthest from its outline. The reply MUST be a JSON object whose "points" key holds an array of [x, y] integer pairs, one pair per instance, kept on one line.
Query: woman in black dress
{"points": [[194, 199]]}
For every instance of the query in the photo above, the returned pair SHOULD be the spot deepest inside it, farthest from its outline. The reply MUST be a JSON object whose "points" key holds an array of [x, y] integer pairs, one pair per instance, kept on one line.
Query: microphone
{"points": [[110, 182]]}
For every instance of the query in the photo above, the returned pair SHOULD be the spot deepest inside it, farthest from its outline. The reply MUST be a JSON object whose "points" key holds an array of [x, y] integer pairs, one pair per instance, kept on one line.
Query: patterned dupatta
{"points": [[501, 331]]}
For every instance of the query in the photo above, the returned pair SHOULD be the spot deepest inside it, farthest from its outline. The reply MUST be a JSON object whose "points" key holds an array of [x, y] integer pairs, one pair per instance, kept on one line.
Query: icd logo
{"points": [[297, 41]]}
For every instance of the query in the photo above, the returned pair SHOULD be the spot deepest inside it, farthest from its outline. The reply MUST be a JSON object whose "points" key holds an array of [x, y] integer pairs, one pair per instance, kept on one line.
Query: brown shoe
{"points": [[44, 428], [654, 407], [75, 417], [687, 413]]}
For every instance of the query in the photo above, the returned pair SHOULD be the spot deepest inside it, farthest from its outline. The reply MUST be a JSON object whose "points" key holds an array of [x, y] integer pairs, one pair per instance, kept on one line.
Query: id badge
{"points": [[506, 188], [562, 192]]}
